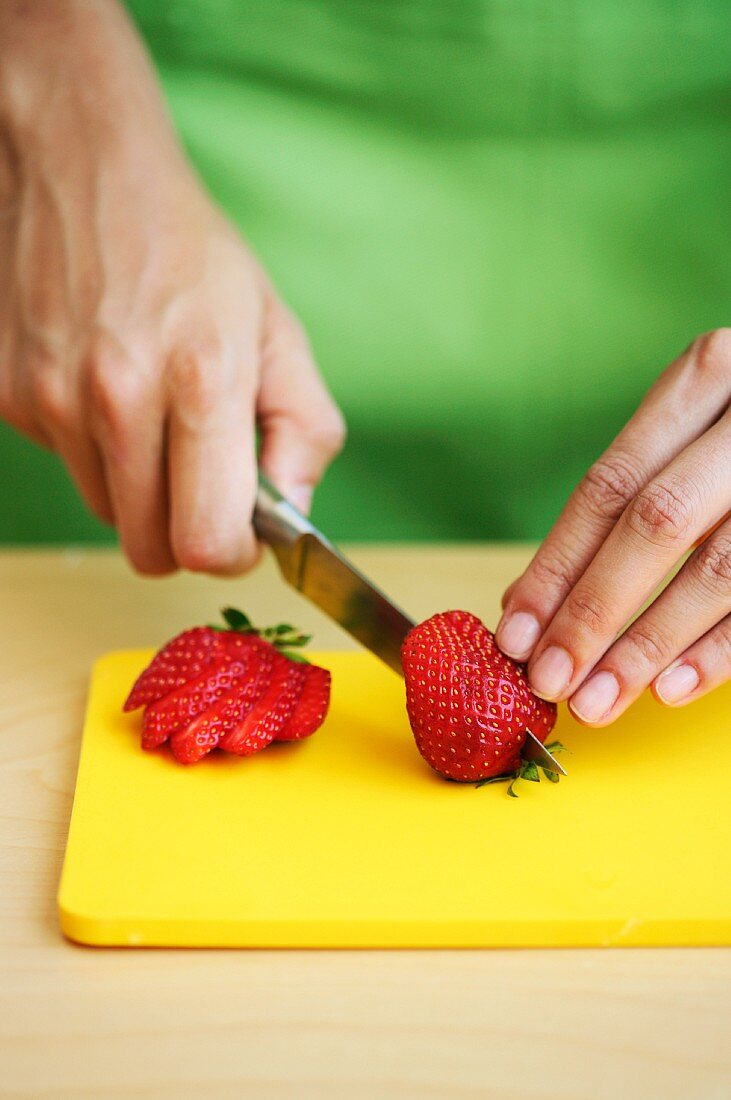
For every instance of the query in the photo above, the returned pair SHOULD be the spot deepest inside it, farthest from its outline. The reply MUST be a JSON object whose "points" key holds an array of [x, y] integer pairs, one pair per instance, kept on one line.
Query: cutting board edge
{"points": [[91, 930]]}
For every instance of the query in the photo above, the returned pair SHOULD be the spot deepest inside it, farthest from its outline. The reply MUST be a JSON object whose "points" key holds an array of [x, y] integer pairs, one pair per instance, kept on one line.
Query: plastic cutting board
{"points": [[349, 840]]}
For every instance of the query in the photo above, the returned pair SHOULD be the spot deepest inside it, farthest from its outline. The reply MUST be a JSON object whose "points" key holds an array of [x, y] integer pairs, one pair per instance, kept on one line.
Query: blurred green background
{"points": [[498, 219]]}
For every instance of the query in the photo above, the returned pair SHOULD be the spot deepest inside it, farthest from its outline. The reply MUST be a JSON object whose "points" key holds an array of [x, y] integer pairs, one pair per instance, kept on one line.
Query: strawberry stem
{"points": [[283, 636], [528, 770]]}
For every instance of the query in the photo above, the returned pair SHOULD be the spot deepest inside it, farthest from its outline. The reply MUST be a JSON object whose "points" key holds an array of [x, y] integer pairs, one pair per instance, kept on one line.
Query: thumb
{"points": [[301, 427]]}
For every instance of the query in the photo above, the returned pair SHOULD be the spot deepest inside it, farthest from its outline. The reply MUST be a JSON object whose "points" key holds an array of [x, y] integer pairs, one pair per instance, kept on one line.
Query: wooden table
{"points": [[80, 1022]]}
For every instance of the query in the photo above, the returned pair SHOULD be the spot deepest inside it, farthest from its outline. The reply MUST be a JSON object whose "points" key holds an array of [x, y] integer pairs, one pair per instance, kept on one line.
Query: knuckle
{"points": [[327, 433], [648, 644], [609, 486], [149, 561], [110, 390], [662, 513], [588, 613], [51, 398], [209, 553], [713, 352], [713, 563], [550, 571], [291, 326], [199, 554], [196, 381]]}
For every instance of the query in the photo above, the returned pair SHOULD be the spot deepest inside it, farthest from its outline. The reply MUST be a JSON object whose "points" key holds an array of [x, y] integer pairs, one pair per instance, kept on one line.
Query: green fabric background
{"points": [[498, 219]]}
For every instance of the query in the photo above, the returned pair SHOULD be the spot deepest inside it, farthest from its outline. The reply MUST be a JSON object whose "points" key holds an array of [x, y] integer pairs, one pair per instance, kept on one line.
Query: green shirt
{"points": [[498, 220]]}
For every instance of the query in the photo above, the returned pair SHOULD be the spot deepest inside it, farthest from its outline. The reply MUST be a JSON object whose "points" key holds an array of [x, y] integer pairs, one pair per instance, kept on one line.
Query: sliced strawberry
{"points": [[182, 659], [181, 706], [271, 711], [310, 711], [236, 686], [204, 733]]}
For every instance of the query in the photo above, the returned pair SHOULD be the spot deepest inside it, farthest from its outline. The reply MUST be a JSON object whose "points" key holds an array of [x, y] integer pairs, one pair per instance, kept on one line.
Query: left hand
{"points": [[662, 488]]}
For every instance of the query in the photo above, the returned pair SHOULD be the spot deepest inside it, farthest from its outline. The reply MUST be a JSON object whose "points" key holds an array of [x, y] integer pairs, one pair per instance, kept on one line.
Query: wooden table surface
{"points": [[83, 1022]]}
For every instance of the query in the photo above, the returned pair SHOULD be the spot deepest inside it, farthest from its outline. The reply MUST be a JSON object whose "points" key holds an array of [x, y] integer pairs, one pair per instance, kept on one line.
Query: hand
{"points": [[659, 490], [139, 337]]}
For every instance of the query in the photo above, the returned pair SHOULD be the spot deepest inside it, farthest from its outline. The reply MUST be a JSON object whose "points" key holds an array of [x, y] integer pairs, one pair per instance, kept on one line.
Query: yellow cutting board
{"points": [[348, 839]]}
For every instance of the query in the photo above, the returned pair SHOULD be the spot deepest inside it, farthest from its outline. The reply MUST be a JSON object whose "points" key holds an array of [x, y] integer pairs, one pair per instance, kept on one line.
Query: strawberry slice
{"points": [[310, 712], [204, 733], [181, 660], [271, 711], [181, 706], [237, 686]]}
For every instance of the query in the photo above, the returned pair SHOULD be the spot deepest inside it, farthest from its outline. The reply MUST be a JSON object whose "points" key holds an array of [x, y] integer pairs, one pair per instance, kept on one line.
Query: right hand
{"points": [[139, 337]]}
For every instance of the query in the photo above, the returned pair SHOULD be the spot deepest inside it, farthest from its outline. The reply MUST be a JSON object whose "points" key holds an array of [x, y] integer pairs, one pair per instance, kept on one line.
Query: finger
{"points": [[19, 416], [16, 408], [126, 414], [56, 408], [507, 594], [685, 401], [302, 428], [661, 523], [688, 609], [703, 667], [212, 462]]}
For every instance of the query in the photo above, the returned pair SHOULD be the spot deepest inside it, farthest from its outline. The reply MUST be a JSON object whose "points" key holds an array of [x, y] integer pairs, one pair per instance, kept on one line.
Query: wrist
{"points": [[75, 71]]}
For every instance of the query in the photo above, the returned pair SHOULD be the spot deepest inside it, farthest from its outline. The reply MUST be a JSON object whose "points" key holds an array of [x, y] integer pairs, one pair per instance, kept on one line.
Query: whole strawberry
{"points": [[469, 705], [236, 687]]}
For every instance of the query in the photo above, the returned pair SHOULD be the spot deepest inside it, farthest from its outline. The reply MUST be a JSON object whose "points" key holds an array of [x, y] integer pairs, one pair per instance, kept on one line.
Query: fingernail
{"points": [[517, 634], [677, 682], [301, 497], [552, 672], [596, 697]]}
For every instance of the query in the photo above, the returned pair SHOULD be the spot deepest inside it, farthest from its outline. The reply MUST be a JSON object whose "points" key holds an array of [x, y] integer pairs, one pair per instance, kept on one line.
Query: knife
{"points": [[311, 564]]}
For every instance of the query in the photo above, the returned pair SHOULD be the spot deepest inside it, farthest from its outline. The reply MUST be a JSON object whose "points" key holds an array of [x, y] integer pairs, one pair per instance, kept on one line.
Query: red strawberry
{"points": [[469, 705], [226, 714], [178, 709], [271, 712], [178, 662], [238, 688], [313, 702]]}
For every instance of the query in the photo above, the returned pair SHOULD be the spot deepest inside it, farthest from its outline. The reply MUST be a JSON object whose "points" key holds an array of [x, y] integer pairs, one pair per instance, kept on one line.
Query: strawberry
{"points": [[315, 696], [272, 710], [178, 662], [468, 704], [236, 687]]}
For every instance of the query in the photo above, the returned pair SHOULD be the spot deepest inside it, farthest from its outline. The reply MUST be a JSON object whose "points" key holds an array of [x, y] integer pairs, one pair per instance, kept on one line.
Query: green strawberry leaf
{"points": [[236, 619], [492, 779], [284, 636], [298, 658], [529, 771], [553, 777]]}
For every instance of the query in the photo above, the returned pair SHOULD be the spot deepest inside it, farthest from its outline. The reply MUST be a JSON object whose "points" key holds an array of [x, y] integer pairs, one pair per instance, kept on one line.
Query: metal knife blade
{"points": [[311, 564], [535, 750]]}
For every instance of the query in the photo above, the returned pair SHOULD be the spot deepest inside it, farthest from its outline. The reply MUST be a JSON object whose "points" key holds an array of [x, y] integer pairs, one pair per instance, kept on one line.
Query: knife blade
{"points": [[317, 569], [311, 564], [535, 750]]}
